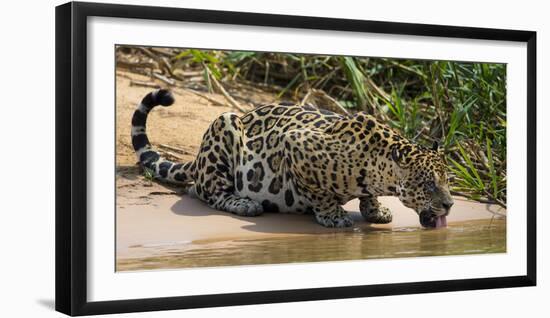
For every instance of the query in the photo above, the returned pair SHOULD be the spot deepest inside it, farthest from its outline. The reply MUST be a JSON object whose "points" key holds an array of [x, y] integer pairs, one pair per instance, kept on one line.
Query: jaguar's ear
{"points": [[435, 146]]}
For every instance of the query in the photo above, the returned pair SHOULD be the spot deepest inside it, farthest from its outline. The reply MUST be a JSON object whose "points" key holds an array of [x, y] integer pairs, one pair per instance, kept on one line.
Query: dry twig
{"points": [[176, 149], [170, 155], [218, 86], [323, 100], [144, 84], [133, 65], [492, 201], [165, 79], [211, 99]]}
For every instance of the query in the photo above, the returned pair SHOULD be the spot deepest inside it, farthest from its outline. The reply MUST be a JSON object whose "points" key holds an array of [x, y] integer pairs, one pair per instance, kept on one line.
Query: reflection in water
{"points": [[472, 237]]}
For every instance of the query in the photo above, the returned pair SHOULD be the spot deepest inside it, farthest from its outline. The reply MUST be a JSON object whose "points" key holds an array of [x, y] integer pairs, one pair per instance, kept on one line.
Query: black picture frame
{"points": [[71, 157]]}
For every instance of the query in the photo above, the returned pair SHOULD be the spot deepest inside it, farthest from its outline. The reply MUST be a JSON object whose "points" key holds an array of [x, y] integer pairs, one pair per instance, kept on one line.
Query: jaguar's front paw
{"points": [[334, 220], [382, 215]]}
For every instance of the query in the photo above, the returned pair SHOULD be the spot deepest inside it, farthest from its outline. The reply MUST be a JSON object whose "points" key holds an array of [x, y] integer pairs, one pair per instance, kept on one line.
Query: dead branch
{"points": [[161, 51], [493, 201], [162, 61], [144, 84], [134, 65], [324, 100], [176, 149], [218, 86], [165, 79], [163, 193], [211, 99], [306, 97], [188, 73], [170, 155]]}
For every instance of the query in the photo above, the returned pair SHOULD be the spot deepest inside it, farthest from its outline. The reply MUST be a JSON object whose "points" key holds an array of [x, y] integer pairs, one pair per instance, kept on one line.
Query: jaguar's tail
{"points": [[162, 169]]}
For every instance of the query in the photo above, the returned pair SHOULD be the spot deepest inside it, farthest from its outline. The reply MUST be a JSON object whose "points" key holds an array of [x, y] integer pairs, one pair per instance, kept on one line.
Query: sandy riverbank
{"points": [[153, 218]]}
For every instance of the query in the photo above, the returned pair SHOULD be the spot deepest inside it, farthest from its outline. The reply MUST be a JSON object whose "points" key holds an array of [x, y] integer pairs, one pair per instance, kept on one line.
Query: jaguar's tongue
{"points": [[440, 221]]}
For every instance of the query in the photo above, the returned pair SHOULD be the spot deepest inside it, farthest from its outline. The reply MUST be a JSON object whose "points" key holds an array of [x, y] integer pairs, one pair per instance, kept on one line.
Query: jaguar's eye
{"points": [[429, 185]]}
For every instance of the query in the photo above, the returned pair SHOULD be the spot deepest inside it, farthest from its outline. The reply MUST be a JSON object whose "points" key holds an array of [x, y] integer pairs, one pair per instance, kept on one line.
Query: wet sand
{"points": [[466, 237], [152, 224]]}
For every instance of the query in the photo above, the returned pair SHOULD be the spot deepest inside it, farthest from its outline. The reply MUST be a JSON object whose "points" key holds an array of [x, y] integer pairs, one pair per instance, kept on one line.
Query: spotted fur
{"points": [[299, 159]]}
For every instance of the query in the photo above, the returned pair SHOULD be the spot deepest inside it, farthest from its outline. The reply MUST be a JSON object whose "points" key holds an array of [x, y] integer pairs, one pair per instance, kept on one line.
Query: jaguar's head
{"points": [[423, 183]]}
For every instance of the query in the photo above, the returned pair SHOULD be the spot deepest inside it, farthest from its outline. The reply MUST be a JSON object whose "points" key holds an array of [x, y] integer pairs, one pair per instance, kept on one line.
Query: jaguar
{"points": [[290, 158]]}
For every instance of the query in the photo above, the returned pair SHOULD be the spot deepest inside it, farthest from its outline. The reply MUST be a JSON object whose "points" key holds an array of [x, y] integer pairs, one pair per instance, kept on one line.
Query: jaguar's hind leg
{"points": [[220, 153], [237, 205]]}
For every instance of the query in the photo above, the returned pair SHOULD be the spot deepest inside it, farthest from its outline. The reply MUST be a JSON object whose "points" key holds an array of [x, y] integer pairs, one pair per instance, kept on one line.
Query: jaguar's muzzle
{"points": [[429, 219]]}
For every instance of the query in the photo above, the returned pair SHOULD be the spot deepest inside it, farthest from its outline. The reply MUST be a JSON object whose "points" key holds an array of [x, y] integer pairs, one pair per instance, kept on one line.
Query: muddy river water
{"points": [[468, 237]]}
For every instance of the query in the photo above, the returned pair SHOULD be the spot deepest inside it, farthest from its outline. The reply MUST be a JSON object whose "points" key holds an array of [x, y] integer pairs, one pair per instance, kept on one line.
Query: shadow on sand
{"points": [[279, 223]]}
